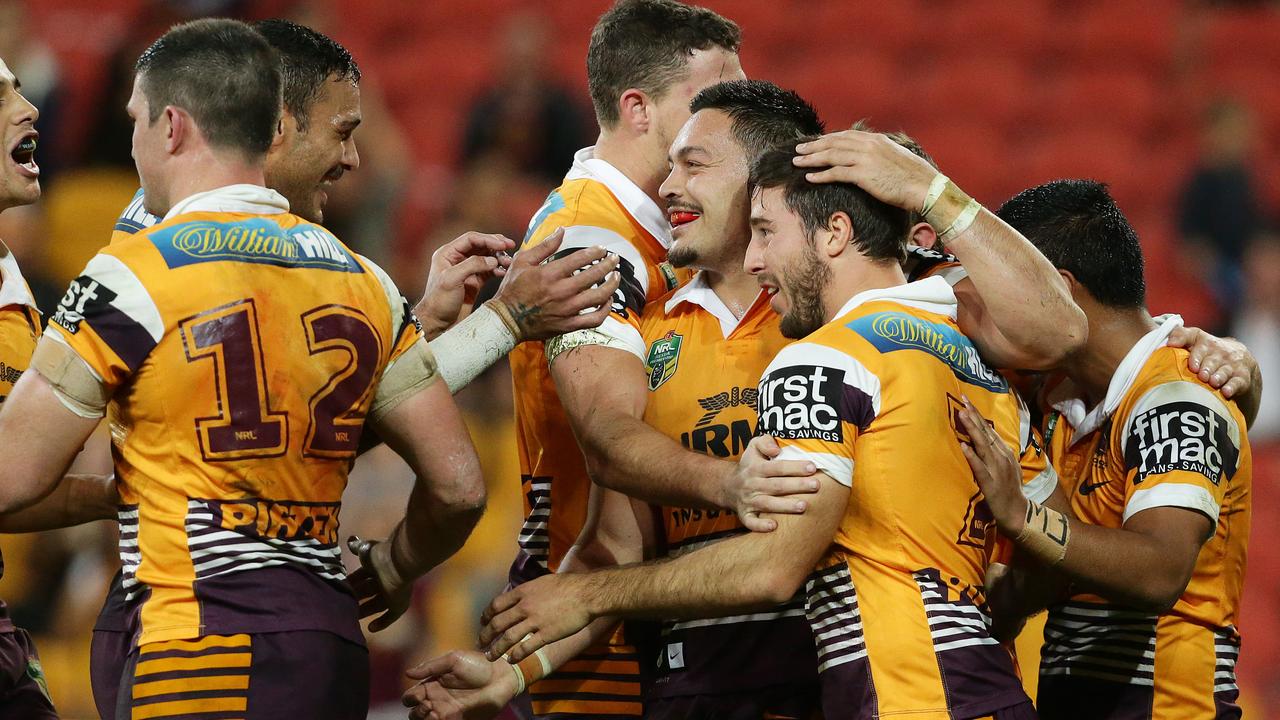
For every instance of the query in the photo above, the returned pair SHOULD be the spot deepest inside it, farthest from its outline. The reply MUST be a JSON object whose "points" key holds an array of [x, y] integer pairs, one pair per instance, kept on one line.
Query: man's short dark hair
{"points": [[224, 74], [762, 114], [308, 59], [1079, 228], [909, 143], [646, 44], [879, 229]]}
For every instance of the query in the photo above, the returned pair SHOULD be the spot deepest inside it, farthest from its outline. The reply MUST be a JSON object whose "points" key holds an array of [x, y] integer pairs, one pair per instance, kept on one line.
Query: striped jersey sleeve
{"points": [[109, 319], [1181, 444], [816, 400]]}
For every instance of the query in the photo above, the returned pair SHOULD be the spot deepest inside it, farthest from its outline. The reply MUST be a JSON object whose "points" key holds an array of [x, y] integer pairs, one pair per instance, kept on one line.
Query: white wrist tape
{"points": [[935, 191], [471, 347]]}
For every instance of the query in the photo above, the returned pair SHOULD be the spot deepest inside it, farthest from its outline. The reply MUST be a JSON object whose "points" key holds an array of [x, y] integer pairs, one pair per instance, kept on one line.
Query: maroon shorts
{"points": [[267, 676], [785, 701], [108, 654], [23, 693]]}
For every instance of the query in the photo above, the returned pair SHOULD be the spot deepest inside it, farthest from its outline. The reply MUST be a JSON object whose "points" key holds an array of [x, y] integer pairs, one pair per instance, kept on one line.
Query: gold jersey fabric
{"points": [[896, 604], [704, 366], [243, 347], [19, 331], [1161, 438], [596, 205]]}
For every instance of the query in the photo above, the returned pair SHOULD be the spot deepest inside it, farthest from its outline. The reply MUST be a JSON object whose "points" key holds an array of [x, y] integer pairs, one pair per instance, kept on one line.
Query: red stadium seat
{"points": [[1019, 30], [994, 90], [980, 160], [1128, 101], [1121, 33]]}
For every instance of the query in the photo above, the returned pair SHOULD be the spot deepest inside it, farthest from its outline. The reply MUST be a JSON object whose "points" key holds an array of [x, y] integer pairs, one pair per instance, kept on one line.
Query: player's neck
{"points": [[629, 156], [857, 279], [209, 173], [1112, 334], [737, 290]]}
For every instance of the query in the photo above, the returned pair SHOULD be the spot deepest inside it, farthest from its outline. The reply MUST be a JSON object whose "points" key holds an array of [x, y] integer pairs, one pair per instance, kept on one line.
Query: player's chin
{"points": [[19, 190]]}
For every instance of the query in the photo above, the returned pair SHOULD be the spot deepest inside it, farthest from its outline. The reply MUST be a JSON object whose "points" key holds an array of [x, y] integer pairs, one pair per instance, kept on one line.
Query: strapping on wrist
{"points": [[951, 212], [504, 314], [1045, 535]]}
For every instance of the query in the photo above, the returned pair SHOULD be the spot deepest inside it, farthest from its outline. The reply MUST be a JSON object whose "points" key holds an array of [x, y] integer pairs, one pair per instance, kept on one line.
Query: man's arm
{"points": [[79, 498], [1027, 318], [537, 299], [41, 438], [447, 500], [466, 685], [742, 573], [604, 391], [1146, 564]]}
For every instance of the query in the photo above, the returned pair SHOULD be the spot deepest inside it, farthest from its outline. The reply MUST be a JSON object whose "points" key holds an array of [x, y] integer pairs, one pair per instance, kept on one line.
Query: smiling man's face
{"points": [[20, 175], [706, 192], [315, 154]]}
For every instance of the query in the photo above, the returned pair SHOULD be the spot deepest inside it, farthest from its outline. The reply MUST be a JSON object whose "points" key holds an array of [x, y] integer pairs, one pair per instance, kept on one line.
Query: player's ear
{"points": [[923, 235], [177, 127], [635, 110], [837, 238], [288, 125]]}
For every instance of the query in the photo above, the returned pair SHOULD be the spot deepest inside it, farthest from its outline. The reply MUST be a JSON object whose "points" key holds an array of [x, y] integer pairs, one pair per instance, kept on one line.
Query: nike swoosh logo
{"points": [[1088, 488]]}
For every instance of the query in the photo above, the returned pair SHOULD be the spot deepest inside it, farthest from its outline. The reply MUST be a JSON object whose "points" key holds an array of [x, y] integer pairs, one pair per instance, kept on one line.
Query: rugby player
{"points": [[229, 528], [1157, 466], [23, 692], [314, 147], [645, 62], [883, 364]]}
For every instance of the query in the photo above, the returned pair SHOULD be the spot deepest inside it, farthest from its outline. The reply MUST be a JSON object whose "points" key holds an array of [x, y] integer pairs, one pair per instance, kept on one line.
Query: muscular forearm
{"points": [[739, 575], [75, 500], [431, 531], [623, 454], [1026, 298]]}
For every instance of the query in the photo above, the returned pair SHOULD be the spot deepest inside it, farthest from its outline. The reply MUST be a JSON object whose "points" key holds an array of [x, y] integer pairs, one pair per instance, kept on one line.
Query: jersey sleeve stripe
{"points": [[1169, 494], [1039, 488], [839, 467], [585, 236]]}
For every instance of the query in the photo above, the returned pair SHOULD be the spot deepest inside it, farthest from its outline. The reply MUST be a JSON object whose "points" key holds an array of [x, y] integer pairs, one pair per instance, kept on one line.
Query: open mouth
{"points": [[24, 154], [682, 217]]}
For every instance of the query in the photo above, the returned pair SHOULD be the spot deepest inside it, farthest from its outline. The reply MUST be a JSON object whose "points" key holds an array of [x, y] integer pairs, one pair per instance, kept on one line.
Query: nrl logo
{"points": [[663, 357]]}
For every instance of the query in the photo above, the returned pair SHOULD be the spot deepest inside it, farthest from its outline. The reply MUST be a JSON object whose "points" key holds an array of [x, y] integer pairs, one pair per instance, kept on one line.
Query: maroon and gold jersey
{"points": [[704, 365], [896, 604], [596, 205], [1161, 438], [242, 347], [19, 331]]}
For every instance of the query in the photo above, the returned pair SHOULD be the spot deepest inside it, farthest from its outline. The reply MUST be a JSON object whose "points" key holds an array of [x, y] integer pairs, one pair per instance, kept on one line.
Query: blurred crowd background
{"points": [[473, 109]]}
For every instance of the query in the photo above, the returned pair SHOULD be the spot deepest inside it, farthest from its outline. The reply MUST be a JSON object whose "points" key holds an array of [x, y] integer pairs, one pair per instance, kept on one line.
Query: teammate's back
{"points": [[248, 347]]}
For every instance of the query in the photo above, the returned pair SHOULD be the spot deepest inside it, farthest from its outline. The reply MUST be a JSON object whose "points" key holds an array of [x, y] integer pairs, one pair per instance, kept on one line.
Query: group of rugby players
{"points": [[820, 427]]}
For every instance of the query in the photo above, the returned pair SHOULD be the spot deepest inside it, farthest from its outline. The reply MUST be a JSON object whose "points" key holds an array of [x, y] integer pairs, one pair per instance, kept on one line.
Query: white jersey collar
{"points": [[933, 294], [1073, 407], [698, 292], [13, 287], [637, 203], [242, 198]]}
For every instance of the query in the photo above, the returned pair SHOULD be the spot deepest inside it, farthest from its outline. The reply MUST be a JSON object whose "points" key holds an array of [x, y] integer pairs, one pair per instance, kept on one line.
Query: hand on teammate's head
{"points": [[873, 161]]}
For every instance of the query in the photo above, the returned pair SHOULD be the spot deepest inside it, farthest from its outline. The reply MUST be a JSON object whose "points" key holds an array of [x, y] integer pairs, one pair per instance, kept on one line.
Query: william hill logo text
{"points": [[255, 240], [893, 331]]}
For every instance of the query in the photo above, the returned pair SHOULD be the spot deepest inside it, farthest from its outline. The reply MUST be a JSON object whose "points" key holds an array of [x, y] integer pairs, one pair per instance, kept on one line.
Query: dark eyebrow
{"points": [[757, 221], [688, 150]]}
